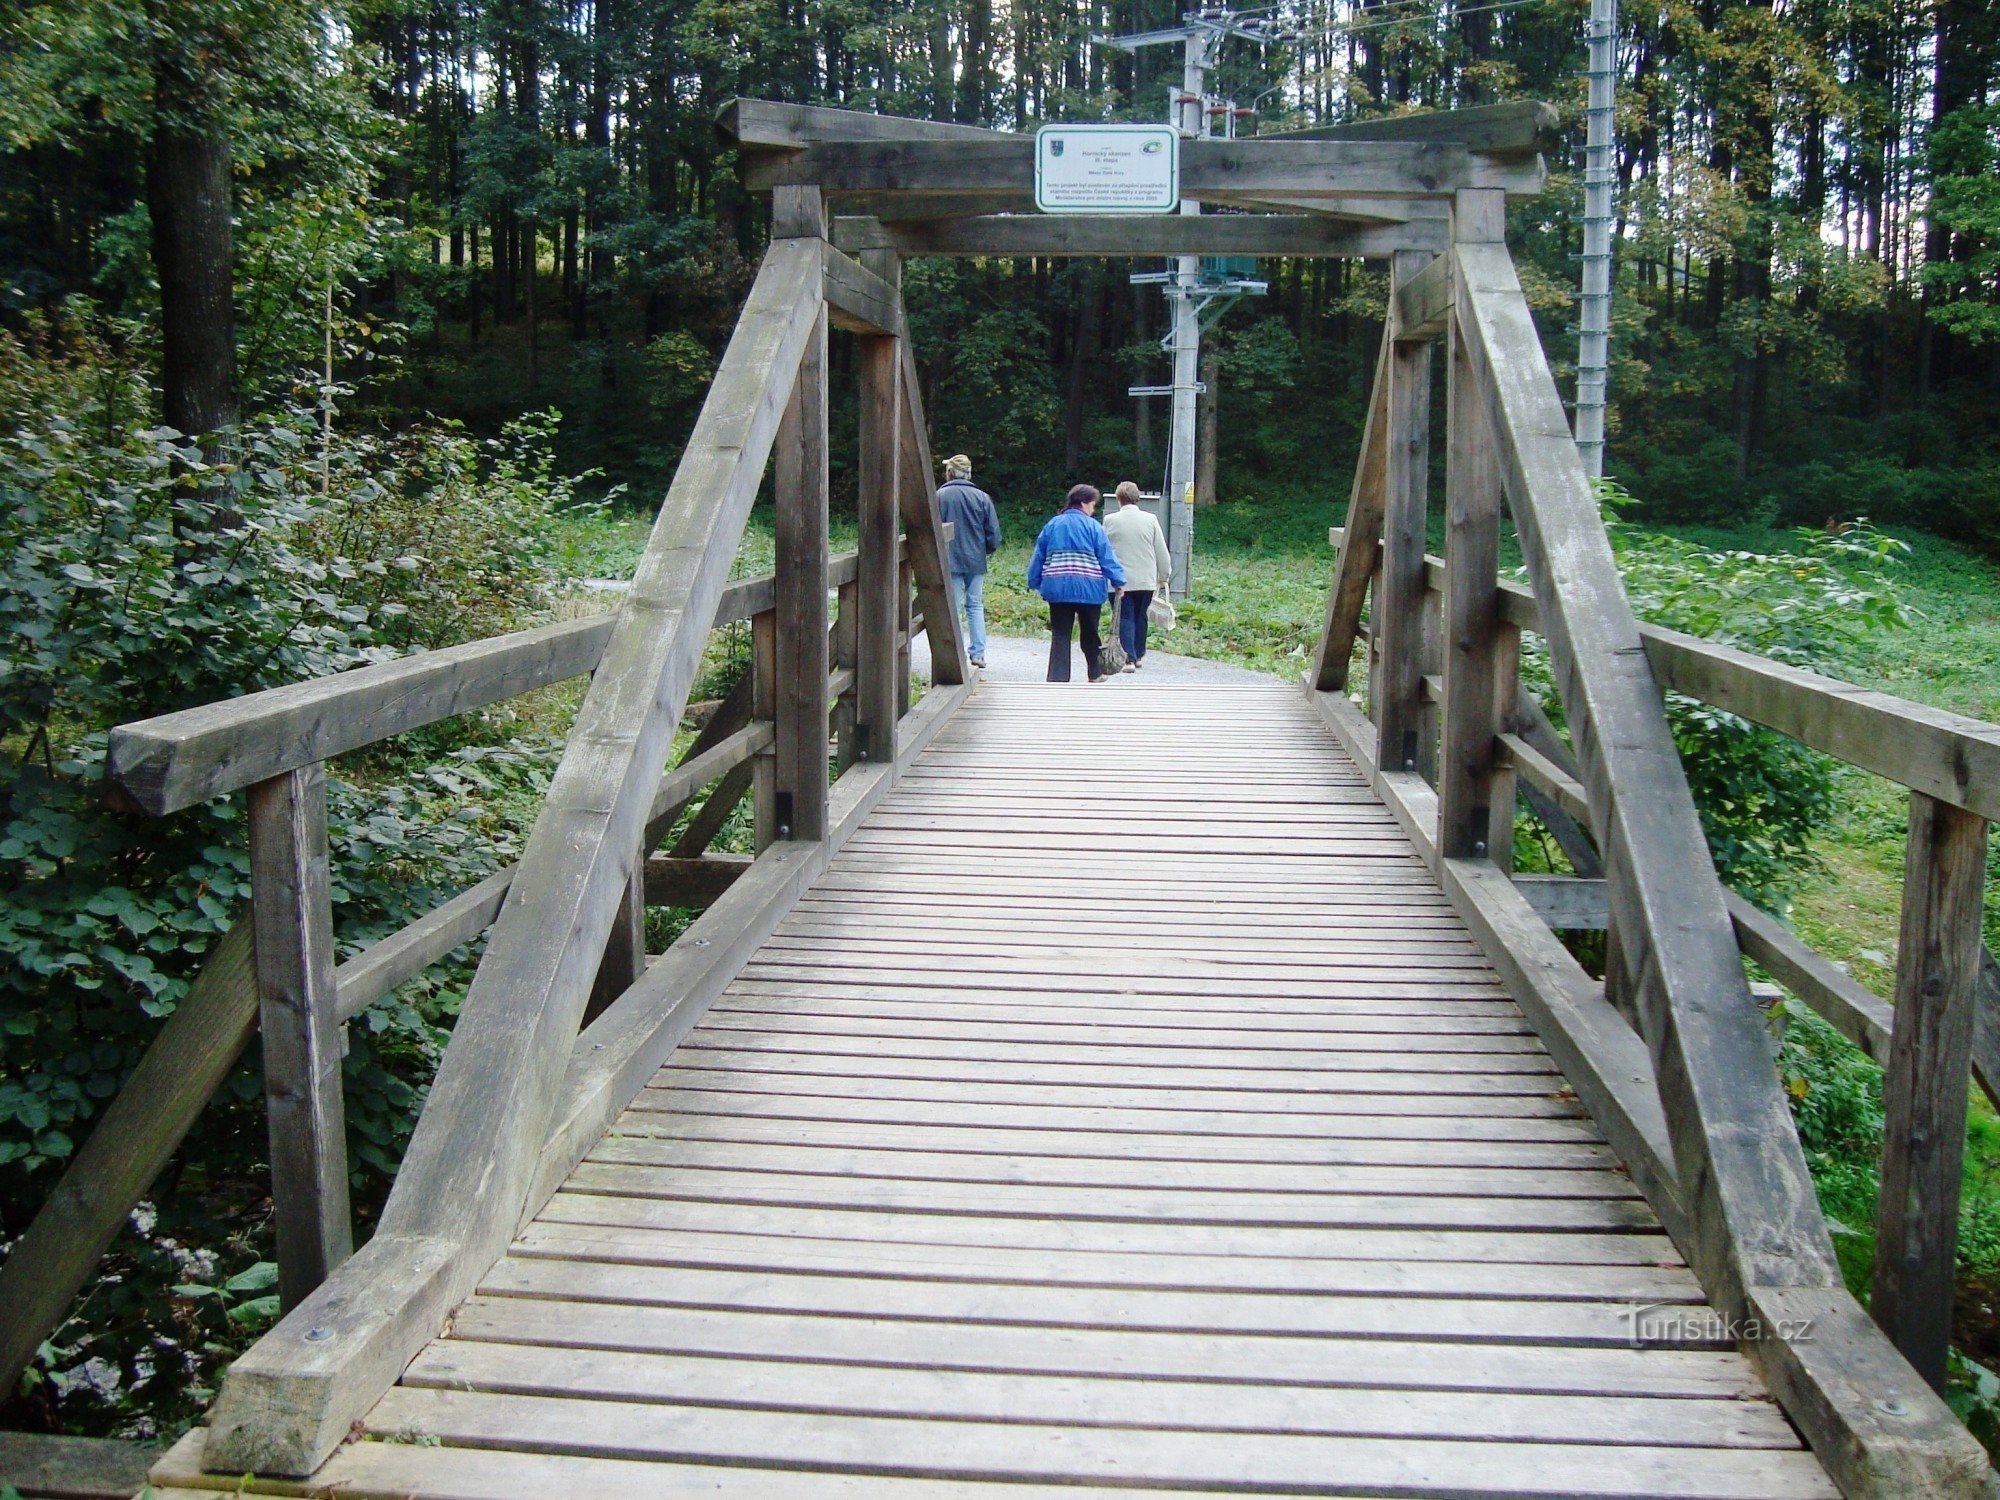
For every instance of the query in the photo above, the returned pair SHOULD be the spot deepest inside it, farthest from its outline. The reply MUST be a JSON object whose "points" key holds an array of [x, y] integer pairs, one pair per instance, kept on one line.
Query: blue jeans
{"points": [[968, 594], [1132, 622]]}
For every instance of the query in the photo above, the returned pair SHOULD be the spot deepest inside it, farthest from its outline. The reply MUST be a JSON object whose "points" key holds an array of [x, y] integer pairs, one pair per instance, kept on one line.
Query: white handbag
{"points": [[1160, 613]]}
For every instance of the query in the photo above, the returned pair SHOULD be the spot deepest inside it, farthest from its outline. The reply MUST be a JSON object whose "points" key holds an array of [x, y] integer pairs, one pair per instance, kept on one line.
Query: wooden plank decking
{"points": [[1125, 1108]]}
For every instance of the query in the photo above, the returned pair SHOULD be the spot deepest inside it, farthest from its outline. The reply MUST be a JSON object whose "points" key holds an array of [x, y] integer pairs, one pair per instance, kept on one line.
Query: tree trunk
{"points": [[188, 195]]}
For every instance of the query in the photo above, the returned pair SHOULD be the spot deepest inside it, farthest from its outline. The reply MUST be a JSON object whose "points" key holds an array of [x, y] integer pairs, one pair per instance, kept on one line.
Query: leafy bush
{"points": [[136, 579]]}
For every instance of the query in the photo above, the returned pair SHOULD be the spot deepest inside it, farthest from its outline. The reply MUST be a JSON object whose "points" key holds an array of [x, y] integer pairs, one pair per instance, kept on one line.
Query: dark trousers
{"points": [[1132, 622], [1085, 617]]}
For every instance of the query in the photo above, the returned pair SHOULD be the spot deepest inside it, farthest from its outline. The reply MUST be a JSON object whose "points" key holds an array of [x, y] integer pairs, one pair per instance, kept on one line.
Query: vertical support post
{"points": [[1506, 718], [843, 643], [1938, 954], [881, 362], [923, 532], [1398, 617], [764, 705], [625, 951], [292, 912], [904, 615], [1470, 819], [799, 786]]}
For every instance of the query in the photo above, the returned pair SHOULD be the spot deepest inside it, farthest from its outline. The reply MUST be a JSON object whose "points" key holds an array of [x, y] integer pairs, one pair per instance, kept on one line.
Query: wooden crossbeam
{"points": [[289, 1401], [1140, 234], [1302, 169], [1523, 126], [1423, 304], [768, 125]]}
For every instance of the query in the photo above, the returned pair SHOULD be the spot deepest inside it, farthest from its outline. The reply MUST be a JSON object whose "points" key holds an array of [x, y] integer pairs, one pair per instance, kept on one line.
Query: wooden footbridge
{"points": [[1139, 1089]]}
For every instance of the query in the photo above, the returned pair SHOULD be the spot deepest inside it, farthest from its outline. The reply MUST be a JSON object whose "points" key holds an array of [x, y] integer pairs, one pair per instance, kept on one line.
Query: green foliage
{"points": [[1965, 197], [127, 592]]}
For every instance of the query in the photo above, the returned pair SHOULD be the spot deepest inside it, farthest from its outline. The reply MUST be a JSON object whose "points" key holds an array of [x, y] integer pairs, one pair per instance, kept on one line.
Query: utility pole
{"points": [[1188, 293], [1593, 353]]}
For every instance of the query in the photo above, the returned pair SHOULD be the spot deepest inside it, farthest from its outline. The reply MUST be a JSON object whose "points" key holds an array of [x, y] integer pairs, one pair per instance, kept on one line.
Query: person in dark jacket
{"points": [[1074, 568], [968, 508]]}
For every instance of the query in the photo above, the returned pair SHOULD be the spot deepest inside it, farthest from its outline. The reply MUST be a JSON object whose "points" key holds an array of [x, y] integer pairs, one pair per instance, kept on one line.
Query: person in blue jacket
{"points": [[1074, 569]]}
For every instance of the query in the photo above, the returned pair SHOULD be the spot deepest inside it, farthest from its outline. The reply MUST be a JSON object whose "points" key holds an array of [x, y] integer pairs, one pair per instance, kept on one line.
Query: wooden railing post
{"points": [[876, 567], [1398, 616], [842, 647], [799, 788], [1475, 797], [1938, 955], [764, 705], [297, 1010]]}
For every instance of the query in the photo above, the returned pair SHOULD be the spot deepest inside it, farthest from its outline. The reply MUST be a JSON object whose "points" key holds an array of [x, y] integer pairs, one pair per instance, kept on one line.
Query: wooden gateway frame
{"points": [[566, 1018]]}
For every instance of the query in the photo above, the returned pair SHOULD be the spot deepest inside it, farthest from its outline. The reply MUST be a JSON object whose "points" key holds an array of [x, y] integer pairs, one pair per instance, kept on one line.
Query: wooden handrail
{"points": [[164, 764], [1945, 755]]}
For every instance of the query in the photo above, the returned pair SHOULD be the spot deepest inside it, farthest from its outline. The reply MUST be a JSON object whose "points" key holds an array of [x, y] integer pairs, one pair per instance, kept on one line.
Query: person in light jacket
{"points": [[1142, 552], [974, 540], [1073, 568]]}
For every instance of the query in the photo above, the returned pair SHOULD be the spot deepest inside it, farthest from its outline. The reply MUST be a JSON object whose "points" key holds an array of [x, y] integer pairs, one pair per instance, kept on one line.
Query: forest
{"points": [[336, 329]]}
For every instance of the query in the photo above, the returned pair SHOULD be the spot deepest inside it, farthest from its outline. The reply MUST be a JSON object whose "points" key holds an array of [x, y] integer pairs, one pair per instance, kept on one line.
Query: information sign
{"points": [[1107, 169]]}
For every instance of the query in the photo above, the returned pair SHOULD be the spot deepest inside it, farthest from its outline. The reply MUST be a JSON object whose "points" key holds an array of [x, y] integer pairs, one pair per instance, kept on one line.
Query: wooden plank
{"points": [[290, 1399], [1424, 302], [768, 124], [987, 1345], [1397, 619], [764, 703], [1563, 789], [1518, 125], [292, 916], [859, 301], [1055, 1453], [779, 1385], [1938, 953], [800, 655], [875, 593], [1753, 1221], [165, 764], [1310, 235], [1355, 566], [1475, 793], [1945, 756], [1849, 1006], [699, 881], [926, 534], [1209, 168], [1568, 903], [72, 1468], [624, 949], [733, 715], [139, 1131]]}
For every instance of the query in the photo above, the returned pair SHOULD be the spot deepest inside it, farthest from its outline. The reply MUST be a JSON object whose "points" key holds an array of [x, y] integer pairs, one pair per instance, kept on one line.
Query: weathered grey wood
{"points": [[137, 1134], [1355, 566], [290, 1399], [1564, 790], [764, 703], [735, 713], [1518, 125], [1397, 618], [858, 300], [163, 765], [624, 950], [699, 881], [1568, 903], [1849, 1006], [767, 124], [73, 1468], [1753, 1219], [925, 535], [1941, 754], [1424, 302], [622, 1050], [292, 915], [881, 371], [1475, 792], [1299, 169], [1938, 954], [1139, 234], [382, 967], [799, 779]]}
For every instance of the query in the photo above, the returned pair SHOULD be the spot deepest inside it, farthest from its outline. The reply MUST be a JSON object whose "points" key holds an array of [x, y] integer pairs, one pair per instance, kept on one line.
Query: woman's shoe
{"points": [[1129, 667]]}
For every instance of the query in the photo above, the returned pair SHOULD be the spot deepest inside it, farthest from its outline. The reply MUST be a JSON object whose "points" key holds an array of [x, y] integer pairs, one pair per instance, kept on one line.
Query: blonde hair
{"points": [[1127, 493], [958, 466]]}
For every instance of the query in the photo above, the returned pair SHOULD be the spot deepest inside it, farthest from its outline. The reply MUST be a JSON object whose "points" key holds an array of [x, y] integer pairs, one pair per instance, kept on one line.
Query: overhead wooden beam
{"points": [[1520, 126], [1301, 169], [1141, 234], [290, 1400], [768, 124]]}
